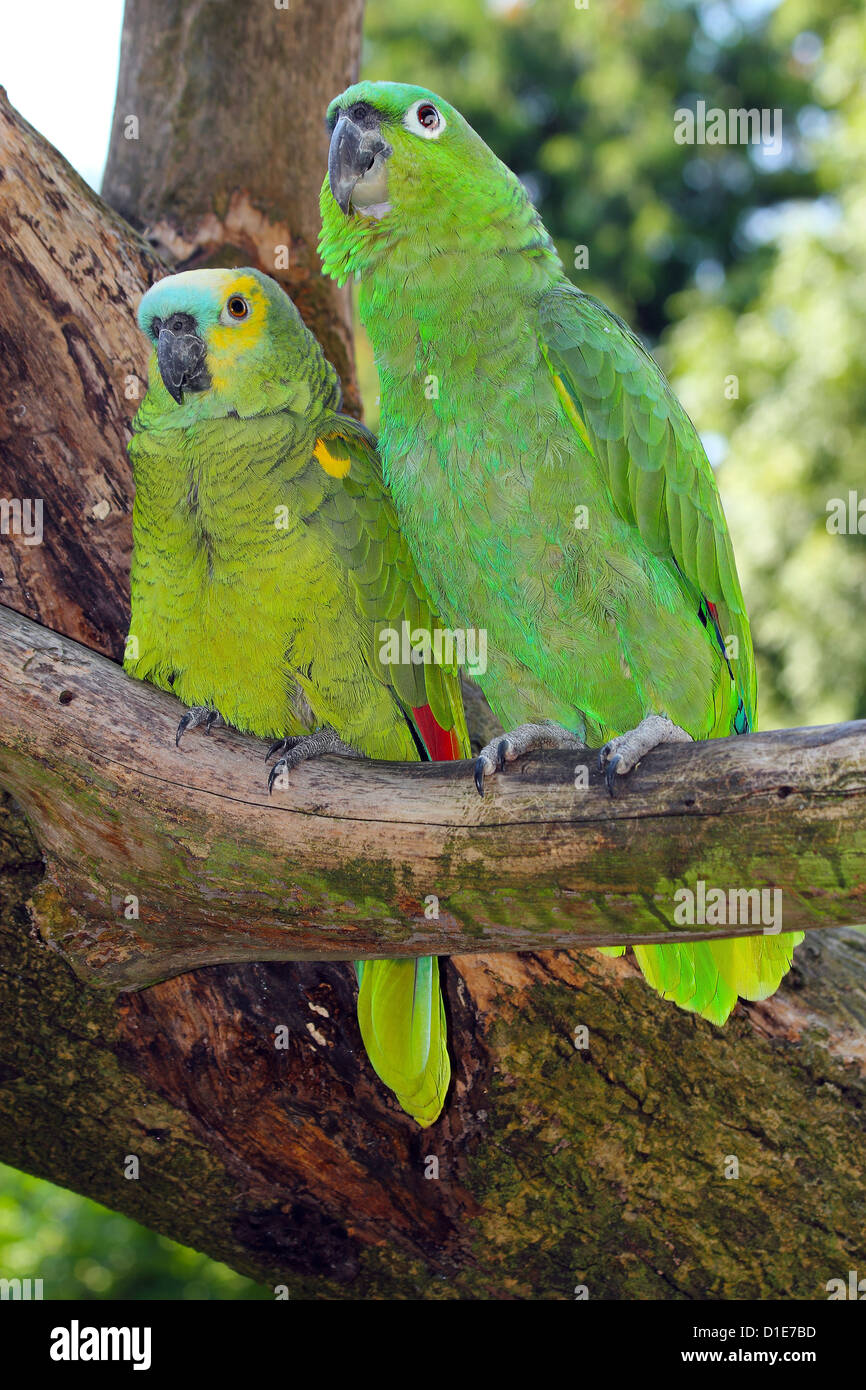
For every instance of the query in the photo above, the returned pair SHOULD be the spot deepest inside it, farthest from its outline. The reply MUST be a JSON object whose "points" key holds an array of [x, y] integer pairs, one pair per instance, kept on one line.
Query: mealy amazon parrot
{"points": [[552, 489], [267, 563]]}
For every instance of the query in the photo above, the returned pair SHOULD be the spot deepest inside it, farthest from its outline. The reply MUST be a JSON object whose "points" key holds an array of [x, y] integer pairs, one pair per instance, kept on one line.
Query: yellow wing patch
{"points": [[333, 456]]}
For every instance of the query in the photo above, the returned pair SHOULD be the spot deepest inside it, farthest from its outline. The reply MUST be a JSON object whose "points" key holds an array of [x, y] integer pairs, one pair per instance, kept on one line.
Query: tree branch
{"points": [[355, 860]]}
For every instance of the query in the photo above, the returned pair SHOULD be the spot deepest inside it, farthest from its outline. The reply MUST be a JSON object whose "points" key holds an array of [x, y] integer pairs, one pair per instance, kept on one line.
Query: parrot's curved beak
{"points": [[356, 166], [181, 356]]}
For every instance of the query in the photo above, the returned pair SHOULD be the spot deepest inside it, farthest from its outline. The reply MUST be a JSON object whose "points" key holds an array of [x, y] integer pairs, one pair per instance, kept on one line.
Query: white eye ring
{"points": [[427, 132]]}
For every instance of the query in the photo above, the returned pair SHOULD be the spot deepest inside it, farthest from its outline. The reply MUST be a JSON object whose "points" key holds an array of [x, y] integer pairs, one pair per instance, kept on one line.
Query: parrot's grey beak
{"points": [[356, 166], [181, 356]]}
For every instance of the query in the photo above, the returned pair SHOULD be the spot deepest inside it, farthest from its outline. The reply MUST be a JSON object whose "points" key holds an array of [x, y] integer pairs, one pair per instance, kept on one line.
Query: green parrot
{"points": [[552, 489], [268, 571]]}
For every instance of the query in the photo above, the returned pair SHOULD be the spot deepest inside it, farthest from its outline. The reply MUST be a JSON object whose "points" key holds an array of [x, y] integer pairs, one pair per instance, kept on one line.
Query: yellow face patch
{"points": [[227, 341], [333, 456]]}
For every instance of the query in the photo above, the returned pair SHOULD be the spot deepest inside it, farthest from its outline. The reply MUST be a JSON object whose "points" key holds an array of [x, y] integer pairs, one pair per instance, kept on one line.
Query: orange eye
{"points": [[238, 307]]}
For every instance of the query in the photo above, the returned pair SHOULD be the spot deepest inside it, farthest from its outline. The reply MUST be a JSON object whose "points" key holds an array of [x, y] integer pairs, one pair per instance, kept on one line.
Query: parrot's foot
{"points": [[295, 751], [624, 752], [198, 715], [524, 739]]}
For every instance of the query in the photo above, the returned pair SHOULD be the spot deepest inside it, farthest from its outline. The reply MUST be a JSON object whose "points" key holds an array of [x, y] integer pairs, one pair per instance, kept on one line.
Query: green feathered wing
{"points": [[400, 1009], [626, 416]]}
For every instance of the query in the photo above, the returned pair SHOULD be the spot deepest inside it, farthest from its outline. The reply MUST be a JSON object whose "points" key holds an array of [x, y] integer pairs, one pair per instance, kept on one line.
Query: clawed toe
{"points": [[282, 745], [293, 751], [611, 772], [278, 769], [501, 754], [623, 753], [200, 716], [299, 749], [483, 765], [614, 765], [524, 739]]}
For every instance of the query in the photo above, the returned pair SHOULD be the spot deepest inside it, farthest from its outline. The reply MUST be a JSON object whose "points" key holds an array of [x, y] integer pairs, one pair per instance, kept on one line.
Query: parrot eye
{"points": [[237, 307], [425, 119]]}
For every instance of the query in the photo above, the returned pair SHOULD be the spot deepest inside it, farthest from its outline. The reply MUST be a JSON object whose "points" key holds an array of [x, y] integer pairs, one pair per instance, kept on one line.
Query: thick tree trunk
{"points": [[590, 1133], [219, 146]]}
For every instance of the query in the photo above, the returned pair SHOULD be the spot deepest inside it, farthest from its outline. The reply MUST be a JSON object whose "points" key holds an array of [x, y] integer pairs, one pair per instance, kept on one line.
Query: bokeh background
{"points": [[744, 270]]}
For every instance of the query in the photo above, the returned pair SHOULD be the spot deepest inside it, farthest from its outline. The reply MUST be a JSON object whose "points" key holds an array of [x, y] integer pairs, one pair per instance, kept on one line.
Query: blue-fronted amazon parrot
{"points": [[267, 566]]}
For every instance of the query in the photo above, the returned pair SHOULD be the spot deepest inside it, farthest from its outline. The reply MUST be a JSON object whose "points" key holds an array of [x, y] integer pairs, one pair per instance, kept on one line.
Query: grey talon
{"points": [[626, 750], [282, 745], [479, 775], [301, 748], [610, 774], [198, 715], [496, 754]]}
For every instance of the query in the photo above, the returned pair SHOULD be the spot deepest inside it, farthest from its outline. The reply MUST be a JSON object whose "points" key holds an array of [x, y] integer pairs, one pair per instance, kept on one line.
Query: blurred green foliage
{"points": [[729, 262], [81, 1250], [795, 436], [732, 264]]}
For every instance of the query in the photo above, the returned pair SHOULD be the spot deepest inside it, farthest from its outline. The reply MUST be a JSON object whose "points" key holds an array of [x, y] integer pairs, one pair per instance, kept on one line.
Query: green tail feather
{"points": [[402, 1020], [706, 977]]}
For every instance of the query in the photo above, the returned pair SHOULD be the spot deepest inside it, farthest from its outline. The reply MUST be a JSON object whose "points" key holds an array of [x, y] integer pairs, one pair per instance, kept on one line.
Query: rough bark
{"points": [[558, 1165], [72, 370], [176, 859], [225, 104]]}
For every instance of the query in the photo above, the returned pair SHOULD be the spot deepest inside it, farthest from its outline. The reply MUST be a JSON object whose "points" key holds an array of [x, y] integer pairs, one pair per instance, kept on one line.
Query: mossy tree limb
{"points": [[172, 858]]}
